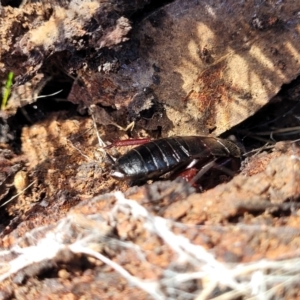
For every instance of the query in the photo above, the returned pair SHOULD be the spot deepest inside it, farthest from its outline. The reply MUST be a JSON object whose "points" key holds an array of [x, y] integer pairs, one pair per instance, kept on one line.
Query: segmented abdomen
{"points": [[161, 156]]}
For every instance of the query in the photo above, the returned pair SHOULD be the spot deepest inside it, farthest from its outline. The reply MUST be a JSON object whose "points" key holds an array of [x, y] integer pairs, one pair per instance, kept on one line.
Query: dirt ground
{"points": [[69, 230]]}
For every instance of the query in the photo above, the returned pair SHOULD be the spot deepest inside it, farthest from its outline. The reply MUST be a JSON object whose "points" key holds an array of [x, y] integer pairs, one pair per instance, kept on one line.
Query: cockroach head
{"points": [[117, 172], [117, 175], [235, 140]]}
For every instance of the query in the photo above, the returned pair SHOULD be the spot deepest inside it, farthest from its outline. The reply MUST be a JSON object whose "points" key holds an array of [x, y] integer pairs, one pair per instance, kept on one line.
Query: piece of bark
{"points": [[211, 63]]}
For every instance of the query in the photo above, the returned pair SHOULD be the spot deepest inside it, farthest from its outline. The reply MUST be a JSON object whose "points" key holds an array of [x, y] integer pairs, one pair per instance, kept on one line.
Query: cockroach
{"points": [[158, 157]]}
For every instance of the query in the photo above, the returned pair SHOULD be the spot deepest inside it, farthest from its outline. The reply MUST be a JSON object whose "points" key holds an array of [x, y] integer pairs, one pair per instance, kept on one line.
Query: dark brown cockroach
{"points": [[158, 157]]}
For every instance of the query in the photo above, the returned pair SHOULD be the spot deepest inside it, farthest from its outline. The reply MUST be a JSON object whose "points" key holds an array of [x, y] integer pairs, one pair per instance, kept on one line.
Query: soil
{"points": [[69, 230]]}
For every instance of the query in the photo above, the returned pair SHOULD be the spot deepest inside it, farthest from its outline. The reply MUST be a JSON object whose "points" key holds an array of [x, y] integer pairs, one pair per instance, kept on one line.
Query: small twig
{"points": [[43, 96], [280, 130], [272, 121], [259, 150], [130, 126], [100, 141], [85, 156], [150, 287], [15, 196]]}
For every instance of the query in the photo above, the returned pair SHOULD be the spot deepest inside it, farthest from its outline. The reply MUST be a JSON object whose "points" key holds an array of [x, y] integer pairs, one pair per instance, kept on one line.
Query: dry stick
{"points": [[43, 96], [85, 156], [279, 132], [259, 150], [129, 126], [13, 197], [265, 147], [81, 134], [150, 287], [24, 112], [100, 141]]}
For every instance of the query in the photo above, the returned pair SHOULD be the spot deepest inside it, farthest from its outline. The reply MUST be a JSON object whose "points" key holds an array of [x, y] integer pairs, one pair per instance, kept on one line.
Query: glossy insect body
{"points": [[158, 157]]}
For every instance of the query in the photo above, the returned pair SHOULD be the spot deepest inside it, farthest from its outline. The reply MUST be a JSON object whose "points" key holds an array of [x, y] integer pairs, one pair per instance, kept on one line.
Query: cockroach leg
{"points": [[188, 174], [218, 164], [231, 171], [203, 170], [192, 163]]}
